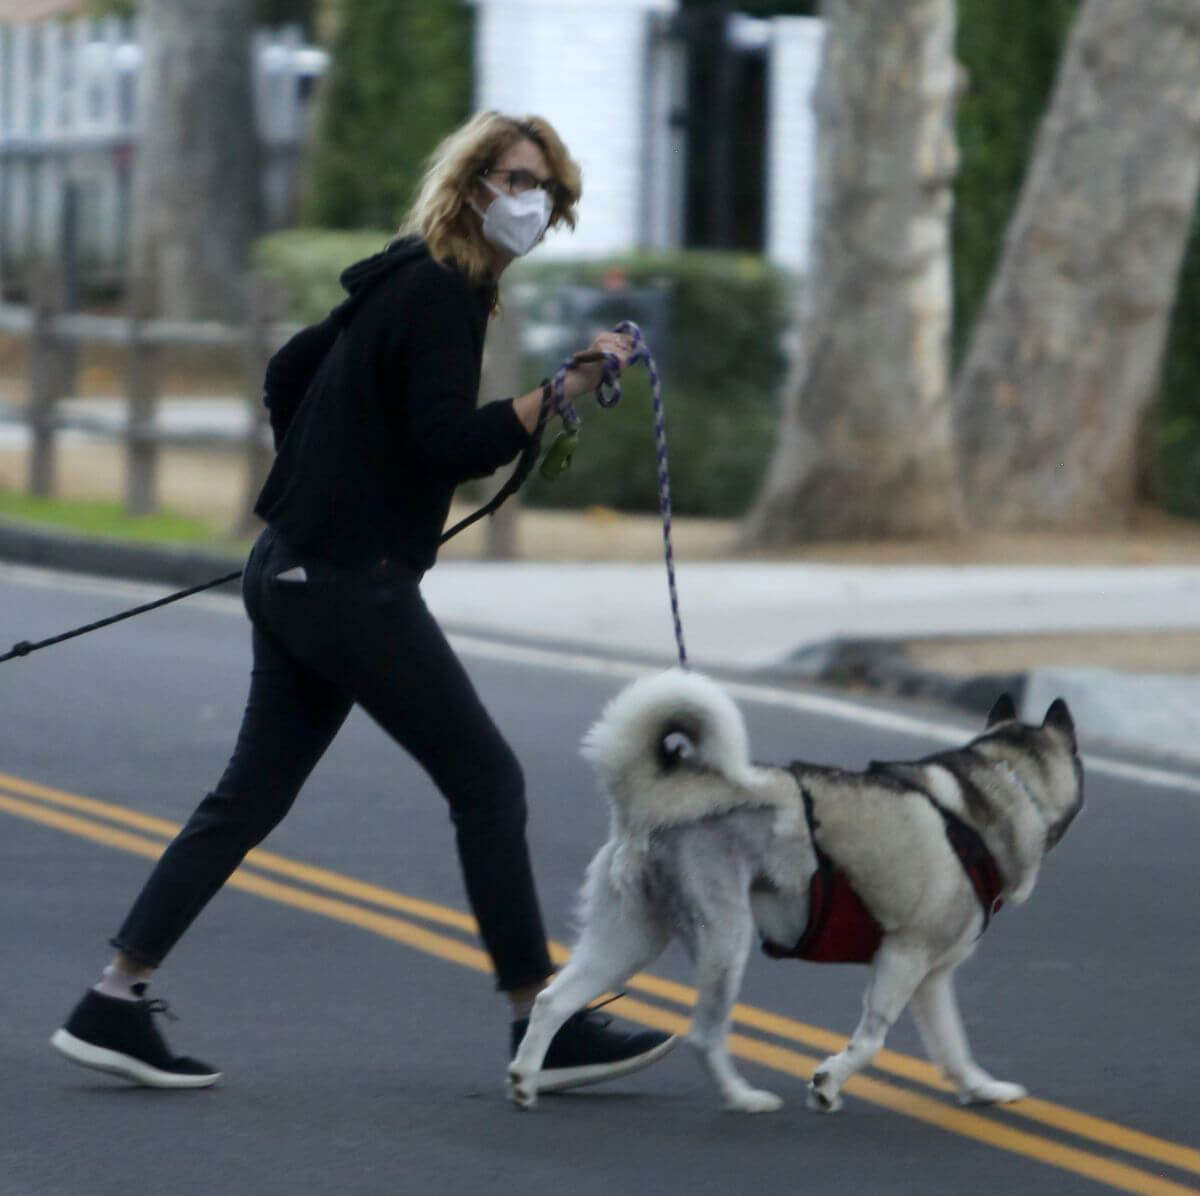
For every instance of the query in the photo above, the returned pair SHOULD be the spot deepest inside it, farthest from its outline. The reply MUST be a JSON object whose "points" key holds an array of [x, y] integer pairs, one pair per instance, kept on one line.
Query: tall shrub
{"points": [[715, 322], [1010, 53], [400, 80], [1175, 431]]}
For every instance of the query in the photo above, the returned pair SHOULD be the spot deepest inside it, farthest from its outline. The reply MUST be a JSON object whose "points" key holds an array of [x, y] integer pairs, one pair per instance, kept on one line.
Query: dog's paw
{"points": [[754, 1100], [522, 1090], [820, 1094], [992, 1092]]}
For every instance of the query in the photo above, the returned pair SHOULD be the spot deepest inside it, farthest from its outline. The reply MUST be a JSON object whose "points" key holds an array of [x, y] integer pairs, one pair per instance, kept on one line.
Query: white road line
{"points": [[580, 661]]}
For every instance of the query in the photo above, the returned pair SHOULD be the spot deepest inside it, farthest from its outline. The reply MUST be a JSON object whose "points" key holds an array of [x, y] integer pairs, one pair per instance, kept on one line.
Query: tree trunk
{"points": [[197, 204], [865, 444], [1066, 356]]}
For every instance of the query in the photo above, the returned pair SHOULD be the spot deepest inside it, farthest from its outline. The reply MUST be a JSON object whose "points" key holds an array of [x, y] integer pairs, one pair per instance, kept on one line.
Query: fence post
{"points": [[44, 380], [69, 350], [263, 306], [502, 376], [142, 381]]}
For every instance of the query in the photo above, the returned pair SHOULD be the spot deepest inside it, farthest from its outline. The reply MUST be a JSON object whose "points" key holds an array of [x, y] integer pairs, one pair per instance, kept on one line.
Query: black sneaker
{"points": [[587, 1050], [120, 1037]]}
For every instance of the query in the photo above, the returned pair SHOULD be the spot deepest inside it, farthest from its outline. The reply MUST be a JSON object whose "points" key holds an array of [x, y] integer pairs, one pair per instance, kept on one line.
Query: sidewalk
{"points": [[943, 634], [1119, 640]]}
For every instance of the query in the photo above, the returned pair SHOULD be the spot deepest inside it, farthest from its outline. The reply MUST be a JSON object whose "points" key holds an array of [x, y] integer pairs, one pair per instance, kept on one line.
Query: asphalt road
{"points": [[362, 1045]]}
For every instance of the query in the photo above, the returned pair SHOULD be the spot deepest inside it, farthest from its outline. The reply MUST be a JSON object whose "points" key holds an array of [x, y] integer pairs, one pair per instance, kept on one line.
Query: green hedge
{"points": [[714, 322], [308, 262], [1011, 53], [1177, 423], [399, 82]]}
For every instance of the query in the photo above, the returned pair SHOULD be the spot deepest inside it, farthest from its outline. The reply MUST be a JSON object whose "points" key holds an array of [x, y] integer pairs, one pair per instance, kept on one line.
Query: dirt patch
{"points": [[1175, 653]]}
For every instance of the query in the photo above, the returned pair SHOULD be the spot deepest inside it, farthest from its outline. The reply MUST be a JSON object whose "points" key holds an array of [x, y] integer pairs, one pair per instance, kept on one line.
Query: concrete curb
{"points": [[883, 665], [24, 544], [1147, 716]]}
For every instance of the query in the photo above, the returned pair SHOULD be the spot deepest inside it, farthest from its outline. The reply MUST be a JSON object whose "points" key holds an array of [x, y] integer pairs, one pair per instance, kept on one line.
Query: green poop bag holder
{"points": [[557, 459]]}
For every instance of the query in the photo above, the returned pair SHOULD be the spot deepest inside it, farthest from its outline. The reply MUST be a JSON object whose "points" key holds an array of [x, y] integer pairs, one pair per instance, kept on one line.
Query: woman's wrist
{"points": [[528, 408]]}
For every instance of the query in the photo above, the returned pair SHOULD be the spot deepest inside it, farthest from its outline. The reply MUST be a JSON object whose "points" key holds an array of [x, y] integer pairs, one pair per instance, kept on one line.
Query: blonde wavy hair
{"points": [[441, 215]]}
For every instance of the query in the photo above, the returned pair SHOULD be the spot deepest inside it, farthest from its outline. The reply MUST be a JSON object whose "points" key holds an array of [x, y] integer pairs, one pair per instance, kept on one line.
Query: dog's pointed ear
{"points": [[1059, 718], [1003, 711]]}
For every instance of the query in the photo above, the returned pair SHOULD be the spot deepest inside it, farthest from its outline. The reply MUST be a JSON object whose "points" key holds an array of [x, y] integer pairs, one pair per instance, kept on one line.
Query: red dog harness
{"points": [[840, 927]]}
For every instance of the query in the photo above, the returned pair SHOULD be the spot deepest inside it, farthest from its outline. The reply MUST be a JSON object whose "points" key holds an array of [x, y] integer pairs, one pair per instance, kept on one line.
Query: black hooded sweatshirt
{"points": [[374, 414]]}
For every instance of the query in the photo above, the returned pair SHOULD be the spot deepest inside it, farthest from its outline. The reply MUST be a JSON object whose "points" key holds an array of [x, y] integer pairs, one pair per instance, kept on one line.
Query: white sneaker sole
{"points": [[116, 1064], [559, 1079]]}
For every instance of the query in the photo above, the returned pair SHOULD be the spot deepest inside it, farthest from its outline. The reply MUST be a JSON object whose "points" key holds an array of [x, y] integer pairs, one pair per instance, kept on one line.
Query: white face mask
{"points": [[515, 223]]}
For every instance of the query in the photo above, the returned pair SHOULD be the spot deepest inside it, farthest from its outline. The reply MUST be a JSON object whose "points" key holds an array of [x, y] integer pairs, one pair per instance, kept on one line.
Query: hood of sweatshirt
{"points": [[360, 279]]}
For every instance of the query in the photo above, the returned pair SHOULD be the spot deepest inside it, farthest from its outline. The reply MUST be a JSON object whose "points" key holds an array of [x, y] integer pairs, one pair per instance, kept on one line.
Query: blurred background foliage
{"points": [[1011, 53], [400, 80], [714, 322], [1175, 451]]}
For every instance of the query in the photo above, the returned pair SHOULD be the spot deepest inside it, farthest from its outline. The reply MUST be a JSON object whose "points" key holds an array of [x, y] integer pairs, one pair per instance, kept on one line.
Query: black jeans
{"points": [[321, 645]]}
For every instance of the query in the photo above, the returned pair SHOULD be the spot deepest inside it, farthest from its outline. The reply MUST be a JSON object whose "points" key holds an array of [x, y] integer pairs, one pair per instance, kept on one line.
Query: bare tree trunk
{"points": [[865, 443], [1066, 356], [197, 204]]}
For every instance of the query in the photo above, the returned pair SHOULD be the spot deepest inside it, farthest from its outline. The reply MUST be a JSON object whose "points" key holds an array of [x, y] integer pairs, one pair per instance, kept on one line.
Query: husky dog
{"points": [[900, 866]]}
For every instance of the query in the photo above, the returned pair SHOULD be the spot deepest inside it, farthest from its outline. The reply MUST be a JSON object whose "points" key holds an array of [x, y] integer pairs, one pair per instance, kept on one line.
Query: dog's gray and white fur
{"points": [[708, 847]]}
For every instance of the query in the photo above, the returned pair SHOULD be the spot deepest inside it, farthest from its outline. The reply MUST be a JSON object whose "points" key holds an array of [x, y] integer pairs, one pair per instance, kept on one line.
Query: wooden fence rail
{"points": [[54, 338]]}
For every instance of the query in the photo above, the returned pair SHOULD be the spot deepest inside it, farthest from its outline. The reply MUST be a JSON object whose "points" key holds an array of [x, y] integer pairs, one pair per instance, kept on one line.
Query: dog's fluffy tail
{"points": [[632, 738]]}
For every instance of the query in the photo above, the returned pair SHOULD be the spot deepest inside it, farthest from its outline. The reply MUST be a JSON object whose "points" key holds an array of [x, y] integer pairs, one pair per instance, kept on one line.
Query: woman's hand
{"points": [[587, 375]]}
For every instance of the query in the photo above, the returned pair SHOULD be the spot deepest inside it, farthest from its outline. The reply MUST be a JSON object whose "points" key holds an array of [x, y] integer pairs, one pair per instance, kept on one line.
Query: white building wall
{"points": [[584, 65], [795, 59]]}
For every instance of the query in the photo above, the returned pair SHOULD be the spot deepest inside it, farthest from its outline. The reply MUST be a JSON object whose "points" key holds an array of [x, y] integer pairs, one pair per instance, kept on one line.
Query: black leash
{"points": [[25, 647], [525, 464], [553, 399], [516, 480]]}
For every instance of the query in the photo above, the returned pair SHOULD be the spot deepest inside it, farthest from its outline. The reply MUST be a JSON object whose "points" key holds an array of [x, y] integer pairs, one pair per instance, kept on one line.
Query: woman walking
{"points": [[375, 422]]}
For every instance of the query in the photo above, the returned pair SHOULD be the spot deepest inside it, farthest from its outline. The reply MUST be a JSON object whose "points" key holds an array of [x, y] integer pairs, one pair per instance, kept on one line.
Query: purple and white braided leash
{"points": [[608, 394]]}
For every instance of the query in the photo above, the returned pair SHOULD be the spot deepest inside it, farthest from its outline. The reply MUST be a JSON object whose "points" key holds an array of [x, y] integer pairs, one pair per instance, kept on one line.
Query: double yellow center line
{"points": [[374, 908]]}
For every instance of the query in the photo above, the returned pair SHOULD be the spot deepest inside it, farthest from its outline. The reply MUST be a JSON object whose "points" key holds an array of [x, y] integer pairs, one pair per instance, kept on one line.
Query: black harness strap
{"points": [[818, 913], [965, 841], [525, 464], [841, 929], [978, 863]]}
